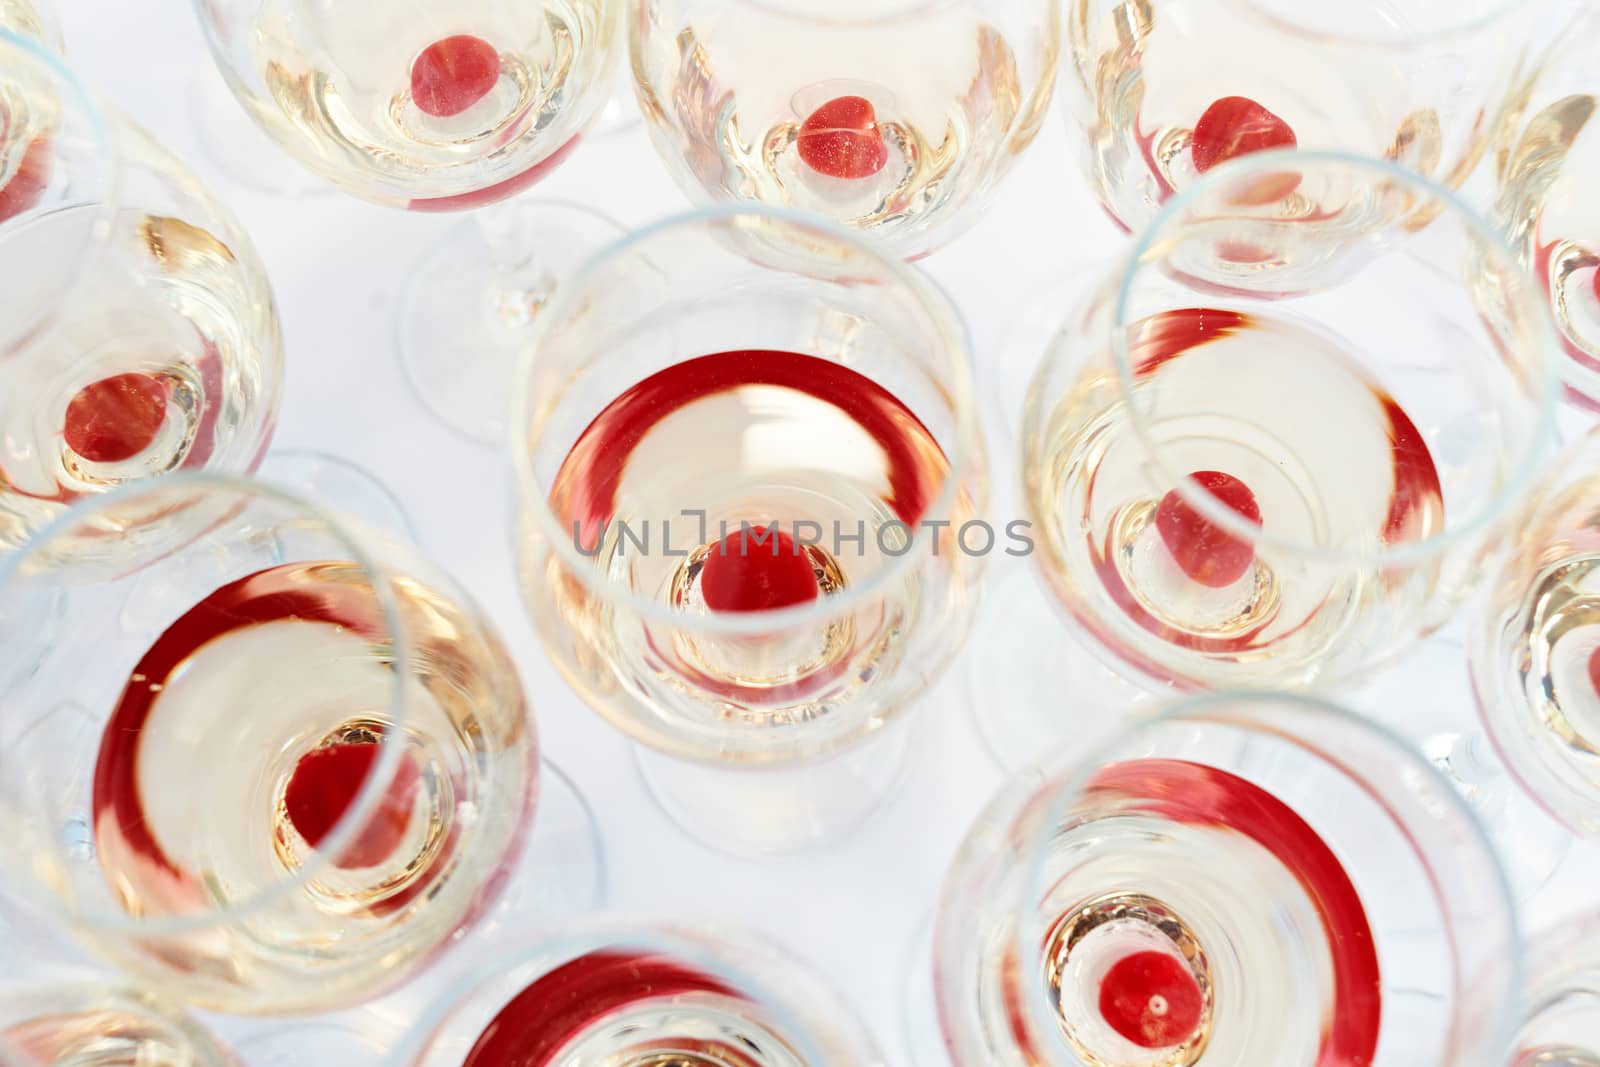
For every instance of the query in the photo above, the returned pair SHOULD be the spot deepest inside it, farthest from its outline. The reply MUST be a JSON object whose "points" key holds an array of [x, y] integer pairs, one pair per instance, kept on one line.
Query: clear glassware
{"points": [[1548, 166], [898, 117], [1561, 1004], [263, 757], [1244, 880], [1534, 642], [750, 474], [27, 18], [1161, 91], [1428, 699], [624, 992], [431, 106], [138, 333], [84, 1022], [1271, 448]]}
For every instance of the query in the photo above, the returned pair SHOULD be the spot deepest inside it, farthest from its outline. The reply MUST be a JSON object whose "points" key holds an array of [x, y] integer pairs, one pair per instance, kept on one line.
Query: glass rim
{"points": [[1451, 31], [1062, 788], [966, 442], [373, 789], [108, 189], [709, 947], [1520, 473]]}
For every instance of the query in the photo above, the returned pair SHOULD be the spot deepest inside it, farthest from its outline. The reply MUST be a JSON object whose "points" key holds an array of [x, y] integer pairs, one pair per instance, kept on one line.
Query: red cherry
{"points": [[842, 140], [26, 187], [453, 74], [116, 418], [1207, 553], [757, 572], [1235, 126], [1594, 670], [1152, 999], [1595, 281], [324, 785]]}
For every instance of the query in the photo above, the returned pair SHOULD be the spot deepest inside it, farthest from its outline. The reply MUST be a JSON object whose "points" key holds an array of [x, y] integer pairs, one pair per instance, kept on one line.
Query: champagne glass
{"points": [[749, 470], [1534, 643], [439, 105], [1243, 880], [898, 117], [656, 995], [65, 1024], [1164, 90], [260, 756], [1270, 452], [1561, 1004], [138, 334], [1549, 164]]}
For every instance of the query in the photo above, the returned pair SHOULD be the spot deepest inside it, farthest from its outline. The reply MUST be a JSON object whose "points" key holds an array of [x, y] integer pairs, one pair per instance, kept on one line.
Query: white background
{"points": [[336, 265]]}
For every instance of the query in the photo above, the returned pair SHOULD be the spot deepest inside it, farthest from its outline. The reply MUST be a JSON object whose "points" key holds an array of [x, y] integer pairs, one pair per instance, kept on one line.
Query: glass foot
{"points": [[561, 874], [559, 877], [1428, 699], [1027, 337], [1031, 685], [767, 811], [1530, 844], [922, 1037], [239, 149], [338, 483], [464, 321], [317, 1044]]}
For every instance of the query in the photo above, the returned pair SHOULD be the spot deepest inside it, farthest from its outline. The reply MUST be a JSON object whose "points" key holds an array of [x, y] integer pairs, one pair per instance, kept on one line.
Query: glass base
{"points": [[561, 874], [1530, 844], [339, 484], [559, 878], [766, 811], [361, 1040], [464, 322], [1027, 338], [922, 1037], [1033, 687], [1428, 699], [240, 149]]}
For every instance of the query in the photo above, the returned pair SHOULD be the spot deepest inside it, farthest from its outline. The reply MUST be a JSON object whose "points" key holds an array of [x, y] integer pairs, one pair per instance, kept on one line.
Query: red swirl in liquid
{"points": [[534, 1026], [123, 836], [1198, 795], [585, 489]]}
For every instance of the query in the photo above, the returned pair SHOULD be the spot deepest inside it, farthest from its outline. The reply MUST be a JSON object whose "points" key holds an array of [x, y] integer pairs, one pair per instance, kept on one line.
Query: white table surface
{"points": [[336, 264]]}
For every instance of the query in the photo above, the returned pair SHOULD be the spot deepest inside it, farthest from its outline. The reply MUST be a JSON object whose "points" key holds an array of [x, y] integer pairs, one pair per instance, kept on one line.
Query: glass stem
{"points": [[1472, 764], [521, 282]]}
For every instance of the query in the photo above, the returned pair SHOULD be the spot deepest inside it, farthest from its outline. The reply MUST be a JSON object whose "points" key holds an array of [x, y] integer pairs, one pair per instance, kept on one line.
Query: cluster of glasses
{"points": [[260, 756]]}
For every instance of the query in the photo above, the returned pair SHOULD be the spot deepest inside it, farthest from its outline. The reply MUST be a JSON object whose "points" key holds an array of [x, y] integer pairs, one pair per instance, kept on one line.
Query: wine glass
{"points": [[1269, 452], [1550, 161], [1561, 1004], [1243, 880], [898, 117], [627, 992], [439, 105], [1164, 90], [138, 334], [263, 757], [90, 1021], [1534, 642], [750, 471]]}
